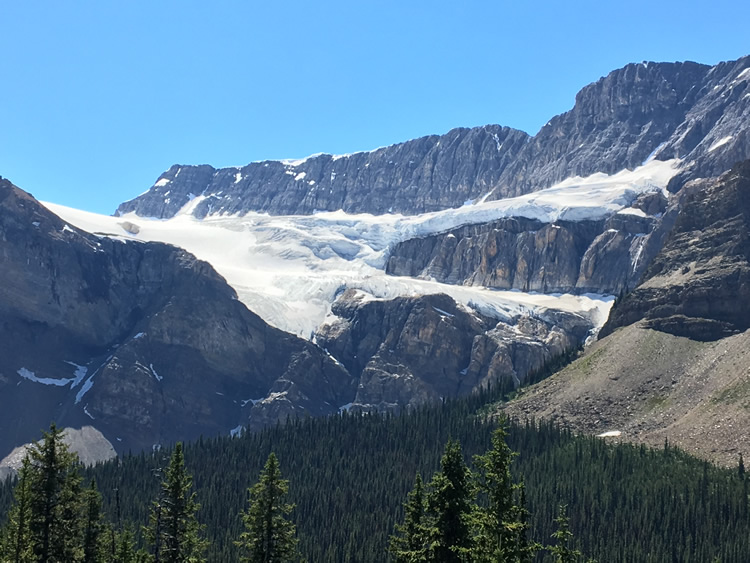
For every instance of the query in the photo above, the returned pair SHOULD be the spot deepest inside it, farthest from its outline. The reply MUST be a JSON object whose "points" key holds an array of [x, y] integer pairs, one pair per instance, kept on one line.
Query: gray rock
{"points": [[650, 110], [698, 285], [166, 350], [413, 350]]}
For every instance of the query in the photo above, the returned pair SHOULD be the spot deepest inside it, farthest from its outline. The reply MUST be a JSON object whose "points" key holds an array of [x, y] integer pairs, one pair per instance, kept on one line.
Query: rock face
{"points": [[141, 340], [699, 283], [606, 256], [411, 350], [650, 110]]}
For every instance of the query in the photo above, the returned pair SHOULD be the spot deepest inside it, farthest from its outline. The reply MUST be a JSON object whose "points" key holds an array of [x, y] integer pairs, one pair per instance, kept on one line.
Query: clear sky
{"points": [[97, 98]]}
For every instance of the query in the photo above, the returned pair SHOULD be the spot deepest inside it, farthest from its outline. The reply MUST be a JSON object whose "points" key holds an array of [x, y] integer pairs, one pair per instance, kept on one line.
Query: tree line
{"points": [[349, 475]]}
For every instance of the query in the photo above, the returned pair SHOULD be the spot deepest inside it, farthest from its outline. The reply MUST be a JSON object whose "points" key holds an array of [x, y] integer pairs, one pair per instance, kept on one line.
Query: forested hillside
{"points": [[350, 474]]}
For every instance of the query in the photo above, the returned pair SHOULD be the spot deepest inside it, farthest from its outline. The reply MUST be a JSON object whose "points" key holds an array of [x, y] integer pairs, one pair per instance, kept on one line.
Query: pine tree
{"points": [[408, 544], [449, 508], [174, 532], [269, 535], [16, 546], [502, 524]]}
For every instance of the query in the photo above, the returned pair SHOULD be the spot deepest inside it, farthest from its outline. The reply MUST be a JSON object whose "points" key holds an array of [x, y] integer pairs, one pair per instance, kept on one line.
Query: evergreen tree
{"points": [[124, 551], [94, 529], [269, 535], [502, 524], [174, 532], [408, 544], [55, 500], [449, 508], [16, 545], [562, 551]]}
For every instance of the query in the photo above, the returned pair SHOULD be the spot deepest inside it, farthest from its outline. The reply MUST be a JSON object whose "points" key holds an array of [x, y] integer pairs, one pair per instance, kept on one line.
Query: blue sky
{"points": [[99, 97]]}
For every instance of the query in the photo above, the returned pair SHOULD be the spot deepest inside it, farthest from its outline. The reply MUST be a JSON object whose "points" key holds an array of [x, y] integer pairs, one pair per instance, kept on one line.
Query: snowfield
{"points": [[289, 269]]}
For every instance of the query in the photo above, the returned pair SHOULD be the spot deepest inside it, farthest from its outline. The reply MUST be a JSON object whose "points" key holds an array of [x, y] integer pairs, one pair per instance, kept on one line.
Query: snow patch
{"points": [[300, 176], [236, 431], [31, 376], [162, 182], [610, 434], [720, 142]]}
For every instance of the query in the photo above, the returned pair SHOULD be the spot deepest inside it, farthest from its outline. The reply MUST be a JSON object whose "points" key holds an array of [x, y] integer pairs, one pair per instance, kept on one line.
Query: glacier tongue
{"points": [[289, 269]]}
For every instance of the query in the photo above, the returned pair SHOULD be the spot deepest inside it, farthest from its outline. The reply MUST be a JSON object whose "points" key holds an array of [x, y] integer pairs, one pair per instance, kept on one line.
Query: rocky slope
{"points": [[661, 110], [141, 340], [412, 350], [673, 359], [699, 283], [646, 386]]}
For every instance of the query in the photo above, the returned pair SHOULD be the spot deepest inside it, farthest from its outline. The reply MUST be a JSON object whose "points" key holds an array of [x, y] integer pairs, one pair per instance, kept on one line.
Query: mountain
{"points": [[672, 360], [693, 112], [442, 264], [141, 340]]}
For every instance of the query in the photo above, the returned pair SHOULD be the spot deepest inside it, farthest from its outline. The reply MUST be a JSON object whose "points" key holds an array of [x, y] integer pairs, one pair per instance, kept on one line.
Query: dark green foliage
{"points": [[173, 531], [55, 500], [449, 506], [16, 542], [349, 476], [94, 528], [561, 550], [269, 536], [503, 521], [409, 543]]}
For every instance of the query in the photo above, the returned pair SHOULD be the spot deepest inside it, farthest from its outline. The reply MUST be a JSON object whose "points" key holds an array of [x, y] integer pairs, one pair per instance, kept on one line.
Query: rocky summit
{"points": [[697, 113], [628, 194]]}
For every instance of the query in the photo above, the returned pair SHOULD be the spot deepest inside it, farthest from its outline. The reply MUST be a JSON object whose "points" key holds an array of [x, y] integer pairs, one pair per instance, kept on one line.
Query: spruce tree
{"points": [[408, 544], [16, 545], [449, 508], [174, 533], [94, 529], [561, 551], [55, 500], [269, 535], [502, 525]]}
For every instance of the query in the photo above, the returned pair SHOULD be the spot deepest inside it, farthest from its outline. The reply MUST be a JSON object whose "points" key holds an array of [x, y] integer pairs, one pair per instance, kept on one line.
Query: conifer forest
{"points": [[440, 483]]}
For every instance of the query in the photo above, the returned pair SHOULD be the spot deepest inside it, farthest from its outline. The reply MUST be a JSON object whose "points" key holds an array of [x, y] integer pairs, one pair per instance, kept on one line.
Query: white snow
{"points": [[300, 176], [153, 371], [345, 407], [720, 142], [162, 182], [632, 211], [238, 177], [236, 431], [610, 434], [31, 376], [86, 410], [289, 269], [744, 75], [139, 335], [80, 373]]}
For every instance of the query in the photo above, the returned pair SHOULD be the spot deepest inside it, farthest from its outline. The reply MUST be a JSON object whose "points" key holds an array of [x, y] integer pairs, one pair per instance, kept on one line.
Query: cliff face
{"points": [[606, 256], [650, 110], [412, 350], [698, 285], [141, 340]]}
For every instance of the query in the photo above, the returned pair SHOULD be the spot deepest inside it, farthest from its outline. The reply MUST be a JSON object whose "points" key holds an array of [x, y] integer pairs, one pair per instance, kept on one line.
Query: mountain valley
{"points": [[231, 299]]}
